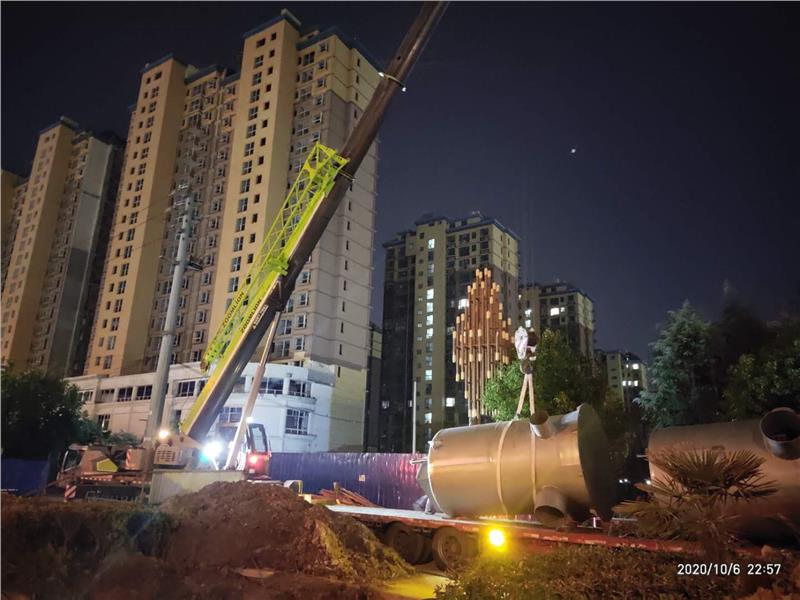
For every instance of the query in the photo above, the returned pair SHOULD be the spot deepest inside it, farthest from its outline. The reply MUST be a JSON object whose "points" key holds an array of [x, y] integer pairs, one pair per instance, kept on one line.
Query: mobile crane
{"points": [[298, 226], [251, 317]]}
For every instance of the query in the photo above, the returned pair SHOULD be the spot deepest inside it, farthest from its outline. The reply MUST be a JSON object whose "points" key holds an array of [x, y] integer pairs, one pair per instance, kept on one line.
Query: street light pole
{"points": [[414, 417]]}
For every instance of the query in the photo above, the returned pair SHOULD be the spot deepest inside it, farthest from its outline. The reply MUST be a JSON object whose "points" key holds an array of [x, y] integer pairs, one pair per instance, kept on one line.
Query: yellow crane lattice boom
{"points": [[315, 180]]}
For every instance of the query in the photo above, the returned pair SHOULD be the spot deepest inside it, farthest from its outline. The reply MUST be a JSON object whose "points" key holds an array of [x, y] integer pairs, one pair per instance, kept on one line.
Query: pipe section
{"points": [[780, 430], [774, 439]]}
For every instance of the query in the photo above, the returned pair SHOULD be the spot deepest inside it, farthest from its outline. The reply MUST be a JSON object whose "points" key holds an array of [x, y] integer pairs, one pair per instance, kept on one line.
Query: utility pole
{"points": [[168, 334]]}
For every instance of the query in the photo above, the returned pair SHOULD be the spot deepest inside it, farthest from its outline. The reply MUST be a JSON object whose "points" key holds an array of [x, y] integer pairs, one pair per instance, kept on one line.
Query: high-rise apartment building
{"points": [[11, 200], [625, 372], [233, 143], [58, 238], [427, 273], [560, 307]]}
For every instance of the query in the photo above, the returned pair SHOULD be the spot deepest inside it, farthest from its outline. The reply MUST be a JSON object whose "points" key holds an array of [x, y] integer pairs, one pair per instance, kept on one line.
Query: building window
{"points": [[185, 389], [144, 392], [282, 348], [125, 394], [236, 263], [199, 336], [284, 326], [104, 421], [230, 414], [302, 321], [428, 374], [299, 343], [240, 223], [296, 421], [233, 284]]}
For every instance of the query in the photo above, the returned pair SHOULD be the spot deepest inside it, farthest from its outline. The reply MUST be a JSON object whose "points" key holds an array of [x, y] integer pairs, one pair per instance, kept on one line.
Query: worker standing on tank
{"points": [[525, 341]]}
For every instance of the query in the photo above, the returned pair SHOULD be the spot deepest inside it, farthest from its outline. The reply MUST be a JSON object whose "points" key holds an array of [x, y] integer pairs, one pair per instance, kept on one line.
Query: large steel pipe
{"points": [[774, 438], [506, 469]]}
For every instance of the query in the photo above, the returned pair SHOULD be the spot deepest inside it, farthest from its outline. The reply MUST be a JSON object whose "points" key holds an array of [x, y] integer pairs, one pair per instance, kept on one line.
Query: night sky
{"points": [[685, 120]]}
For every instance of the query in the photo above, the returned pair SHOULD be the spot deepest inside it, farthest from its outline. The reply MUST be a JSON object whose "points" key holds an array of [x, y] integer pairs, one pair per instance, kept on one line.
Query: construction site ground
{"points": [[230, 540]]}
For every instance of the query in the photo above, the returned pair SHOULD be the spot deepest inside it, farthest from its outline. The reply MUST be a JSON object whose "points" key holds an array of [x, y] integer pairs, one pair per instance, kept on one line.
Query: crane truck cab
{"points": [[180, 451]]}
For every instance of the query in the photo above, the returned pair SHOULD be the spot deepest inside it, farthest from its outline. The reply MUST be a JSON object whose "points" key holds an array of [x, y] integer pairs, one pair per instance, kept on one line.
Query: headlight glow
{"points": [[212, 450], [497, 538]]}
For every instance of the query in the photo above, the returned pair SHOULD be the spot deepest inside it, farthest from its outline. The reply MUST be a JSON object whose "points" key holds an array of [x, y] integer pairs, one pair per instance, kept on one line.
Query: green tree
{"points": [[738, 331], [760, 381], [680, 389], [89, 432], [501, 393], [563, 379], [41, 414]]}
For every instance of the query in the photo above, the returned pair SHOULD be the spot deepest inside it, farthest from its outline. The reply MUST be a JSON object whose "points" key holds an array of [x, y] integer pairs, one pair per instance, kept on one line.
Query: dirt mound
{"points": [[246, 525]]}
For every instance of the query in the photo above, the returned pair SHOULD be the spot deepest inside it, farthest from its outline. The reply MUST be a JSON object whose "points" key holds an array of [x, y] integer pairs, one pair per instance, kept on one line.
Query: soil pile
{"points": [[246, 525], [196, 547]]}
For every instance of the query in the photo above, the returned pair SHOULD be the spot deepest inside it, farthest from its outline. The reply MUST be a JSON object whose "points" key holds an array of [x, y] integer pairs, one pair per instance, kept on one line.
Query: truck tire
{"points": [[405, 541], [452, 548]]}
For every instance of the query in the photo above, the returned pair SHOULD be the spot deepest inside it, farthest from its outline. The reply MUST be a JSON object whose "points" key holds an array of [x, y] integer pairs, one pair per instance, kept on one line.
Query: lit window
{"points": [[527, 312], [554, 311], [463, 303], [429, 320], [429, 307], [296, 421], [449, 402], [635, 366], [428, 417], [430, 294], [429, 333], [431, 244], [428, 374], [527, 323]]}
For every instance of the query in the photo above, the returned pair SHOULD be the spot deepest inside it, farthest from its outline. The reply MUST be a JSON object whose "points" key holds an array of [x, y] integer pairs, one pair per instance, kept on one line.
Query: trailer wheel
{"points": [[405, 541], [452, 548]]}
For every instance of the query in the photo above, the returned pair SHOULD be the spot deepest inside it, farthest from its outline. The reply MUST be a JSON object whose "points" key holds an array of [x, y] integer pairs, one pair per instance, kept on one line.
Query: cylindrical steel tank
{"points": [[505, 468], [776, 439]]}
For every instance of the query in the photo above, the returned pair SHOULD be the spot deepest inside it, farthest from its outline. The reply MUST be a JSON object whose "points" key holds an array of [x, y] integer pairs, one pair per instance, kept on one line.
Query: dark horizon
{"points": [[683, 119]]}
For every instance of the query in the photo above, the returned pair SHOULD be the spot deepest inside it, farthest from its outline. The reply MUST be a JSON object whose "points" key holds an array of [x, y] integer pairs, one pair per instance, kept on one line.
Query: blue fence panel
{"points": [[23, 476], [388, 480]]}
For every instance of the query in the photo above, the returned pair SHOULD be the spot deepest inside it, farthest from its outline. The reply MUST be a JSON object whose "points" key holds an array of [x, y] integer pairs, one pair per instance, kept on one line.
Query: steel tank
{"points": [[776, 439], [555, 470]]}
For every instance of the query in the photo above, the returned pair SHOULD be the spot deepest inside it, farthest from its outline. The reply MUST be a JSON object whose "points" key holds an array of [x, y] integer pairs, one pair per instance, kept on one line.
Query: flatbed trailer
{"points": [[419, 537]]}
